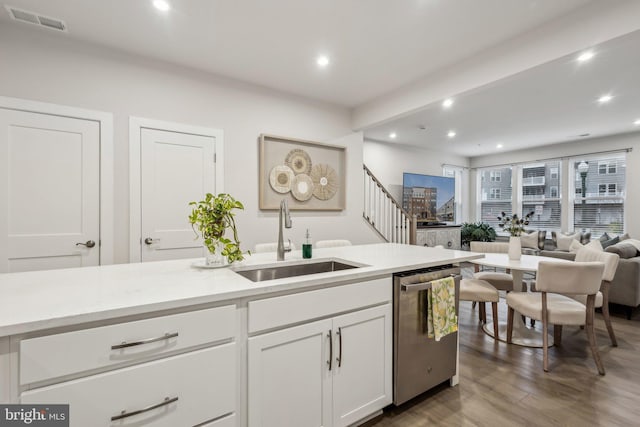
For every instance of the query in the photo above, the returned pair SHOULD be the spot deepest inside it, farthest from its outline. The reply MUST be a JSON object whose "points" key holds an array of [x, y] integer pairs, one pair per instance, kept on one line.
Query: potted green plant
{"points": [[211, 218], [476, 232], [514, 225]]}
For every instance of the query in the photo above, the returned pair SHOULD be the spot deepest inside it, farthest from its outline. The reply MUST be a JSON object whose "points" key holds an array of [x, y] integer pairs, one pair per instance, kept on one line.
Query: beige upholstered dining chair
{"points": [[610, 261], [271, 247], [551, 305], [481, 291], [331, 243], [500, 280]]}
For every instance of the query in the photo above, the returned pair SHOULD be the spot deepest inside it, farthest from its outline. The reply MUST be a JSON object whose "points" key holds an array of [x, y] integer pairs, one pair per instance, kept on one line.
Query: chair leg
{"points": [[510, 325], [545, 336], [473, 304], [591, 333], [557, 335], [494, 313], [482, 312], [605, 312]]}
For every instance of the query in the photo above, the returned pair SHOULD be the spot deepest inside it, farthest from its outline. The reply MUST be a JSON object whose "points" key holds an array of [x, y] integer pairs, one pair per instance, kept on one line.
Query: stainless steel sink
{"points": [[260, 274]]}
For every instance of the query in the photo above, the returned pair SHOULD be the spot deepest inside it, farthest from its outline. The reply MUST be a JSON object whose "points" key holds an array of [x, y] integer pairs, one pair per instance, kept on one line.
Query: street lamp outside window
{"points": [[583, 168]]}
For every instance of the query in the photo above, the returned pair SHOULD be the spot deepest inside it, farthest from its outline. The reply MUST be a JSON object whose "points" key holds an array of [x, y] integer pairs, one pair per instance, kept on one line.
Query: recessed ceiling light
{"points": [[447, 103], [451, 134], [499, 146], [604, 99], [322, 61], [585, 56], [637, 122], [392, 135], [162, 5]]}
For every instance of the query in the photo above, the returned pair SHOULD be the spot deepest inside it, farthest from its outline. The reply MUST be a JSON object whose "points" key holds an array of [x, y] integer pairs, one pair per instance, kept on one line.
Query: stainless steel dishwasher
{"points": [[419, 362]]}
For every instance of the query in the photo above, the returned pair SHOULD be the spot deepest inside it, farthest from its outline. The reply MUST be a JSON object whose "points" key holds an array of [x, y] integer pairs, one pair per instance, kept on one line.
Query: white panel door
{"points": [[289, 377], [49, 191], [363, 364], [176, 168]]}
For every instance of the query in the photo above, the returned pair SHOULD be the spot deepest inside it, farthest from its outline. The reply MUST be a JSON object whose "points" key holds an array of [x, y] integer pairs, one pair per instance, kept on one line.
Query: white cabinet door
{"points": [[362, 377], [49, 191], [176, 168], [289, 379]]}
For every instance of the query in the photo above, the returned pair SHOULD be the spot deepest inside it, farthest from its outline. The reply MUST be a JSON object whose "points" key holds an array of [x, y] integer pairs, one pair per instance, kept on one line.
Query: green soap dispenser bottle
{"points": [[306, 246]]}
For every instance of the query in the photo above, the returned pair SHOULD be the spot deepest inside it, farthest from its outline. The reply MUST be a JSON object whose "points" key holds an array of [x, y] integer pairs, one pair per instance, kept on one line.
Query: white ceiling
{"points": [[375, 46], [552, 103]]}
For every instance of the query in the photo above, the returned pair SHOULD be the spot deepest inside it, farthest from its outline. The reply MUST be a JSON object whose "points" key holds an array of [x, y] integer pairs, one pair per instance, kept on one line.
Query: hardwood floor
{"points": [[504, 385]]}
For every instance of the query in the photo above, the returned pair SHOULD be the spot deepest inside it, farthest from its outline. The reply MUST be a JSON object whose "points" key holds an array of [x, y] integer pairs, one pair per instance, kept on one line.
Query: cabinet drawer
{"points": [[57, 355], [204, 381], [280, 311]]}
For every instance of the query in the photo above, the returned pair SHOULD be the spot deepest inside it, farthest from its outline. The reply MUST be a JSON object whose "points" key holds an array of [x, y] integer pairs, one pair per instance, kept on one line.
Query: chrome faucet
{"points": [[284, 211]]}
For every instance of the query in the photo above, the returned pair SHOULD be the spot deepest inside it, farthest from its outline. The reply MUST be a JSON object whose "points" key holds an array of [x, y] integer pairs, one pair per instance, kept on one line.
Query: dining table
{"points": [[528, 336]]}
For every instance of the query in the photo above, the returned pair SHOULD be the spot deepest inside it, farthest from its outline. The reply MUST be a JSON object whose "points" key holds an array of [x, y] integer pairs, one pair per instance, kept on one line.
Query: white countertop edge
{"points": [[253, 290]]}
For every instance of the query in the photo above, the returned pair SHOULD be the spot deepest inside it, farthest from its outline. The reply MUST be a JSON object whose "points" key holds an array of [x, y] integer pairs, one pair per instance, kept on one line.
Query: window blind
{"points": [[496, 194], [541, 185]]}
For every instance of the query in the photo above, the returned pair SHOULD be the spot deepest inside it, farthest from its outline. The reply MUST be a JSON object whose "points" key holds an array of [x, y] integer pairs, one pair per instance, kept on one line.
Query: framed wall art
{"points": [[309, 175]]}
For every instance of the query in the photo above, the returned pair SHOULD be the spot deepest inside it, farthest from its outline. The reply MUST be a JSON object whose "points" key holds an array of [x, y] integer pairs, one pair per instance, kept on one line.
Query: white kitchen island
{"points": [[206, 345]]}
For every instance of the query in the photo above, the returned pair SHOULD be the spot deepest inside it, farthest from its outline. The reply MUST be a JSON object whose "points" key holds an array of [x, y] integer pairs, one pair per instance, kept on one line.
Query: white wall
{"points": [[577, 148], [388, 161], [39, 65]]}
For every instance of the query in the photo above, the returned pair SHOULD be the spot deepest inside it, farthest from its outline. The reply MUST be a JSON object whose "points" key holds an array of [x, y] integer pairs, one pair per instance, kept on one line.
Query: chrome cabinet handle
{"points": [[150, 241], [88, 244], [339, 358], [330, 349], [125, 414], [125, 344]]}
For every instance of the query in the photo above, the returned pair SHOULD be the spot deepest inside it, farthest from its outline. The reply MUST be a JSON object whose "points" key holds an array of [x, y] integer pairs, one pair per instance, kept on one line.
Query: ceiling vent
{"points": [[37, 19]]}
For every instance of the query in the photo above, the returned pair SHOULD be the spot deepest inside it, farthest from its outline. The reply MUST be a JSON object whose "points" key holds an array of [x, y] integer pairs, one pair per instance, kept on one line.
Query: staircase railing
{"points": [[385, 214]]}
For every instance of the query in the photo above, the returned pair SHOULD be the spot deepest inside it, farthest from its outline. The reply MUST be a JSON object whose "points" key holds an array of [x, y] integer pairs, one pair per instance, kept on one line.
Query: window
{"points": [[457, 173], [608, 167], [495, 194], [540, 197], [602, 207]]}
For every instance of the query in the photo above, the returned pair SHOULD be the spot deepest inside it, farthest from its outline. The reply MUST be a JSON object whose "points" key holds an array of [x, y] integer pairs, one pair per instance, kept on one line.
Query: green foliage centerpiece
{"points": [[211, 218]]}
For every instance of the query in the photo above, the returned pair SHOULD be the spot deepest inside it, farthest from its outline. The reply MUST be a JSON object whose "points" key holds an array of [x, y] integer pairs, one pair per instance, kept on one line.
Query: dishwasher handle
{"points": [[420, 286]]}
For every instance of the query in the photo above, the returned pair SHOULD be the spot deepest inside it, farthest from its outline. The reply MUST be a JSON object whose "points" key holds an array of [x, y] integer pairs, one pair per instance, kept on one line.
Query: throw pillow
{"points": [[610, 242], [529, 240], [624, 250], [585, 237], [595, 245], [563, 241], [625, 236], [604, 237], [575, 246]]}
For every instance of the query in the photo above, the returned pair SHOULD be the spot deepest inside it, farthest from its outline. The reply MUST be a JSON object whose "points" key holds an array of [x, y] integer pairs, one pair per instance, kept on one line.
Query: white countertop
{"points": [[46, 299]]}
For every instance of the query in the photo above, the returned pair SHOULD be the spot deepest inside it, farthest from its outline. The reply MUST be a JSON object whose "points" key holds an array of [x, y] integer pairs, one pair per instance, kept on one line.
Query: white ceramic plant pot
{"points": [[515, 248]]}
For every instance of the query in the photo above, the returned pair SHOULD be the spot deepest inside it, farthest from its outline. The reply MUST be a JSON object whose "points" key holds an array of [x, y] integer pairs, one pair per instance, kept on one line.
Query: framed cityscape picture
{"points": [[309, 175]]}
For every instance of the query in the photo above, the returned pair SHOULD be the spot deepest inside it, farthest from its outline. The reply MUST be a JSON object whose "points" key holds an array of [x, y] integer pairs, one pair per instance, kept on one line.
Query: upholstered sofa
{"points": [[625, 286]]}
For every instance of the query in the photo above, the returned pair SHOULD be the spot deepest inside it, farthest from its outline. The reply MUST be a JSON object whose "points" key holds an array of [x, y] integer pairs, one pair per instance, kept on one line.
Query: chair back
{"points": [[490, 247], [609, 259], [331, 243], [580, 278], [271, 247]]}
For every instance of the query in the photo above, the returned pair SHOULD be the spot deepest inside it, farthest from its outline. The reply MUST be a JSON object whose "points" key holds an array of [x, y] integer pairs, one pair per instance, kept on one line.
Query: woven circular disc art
{"points": [[280, 178], [302, 187], [325, 181], [299, 161]]}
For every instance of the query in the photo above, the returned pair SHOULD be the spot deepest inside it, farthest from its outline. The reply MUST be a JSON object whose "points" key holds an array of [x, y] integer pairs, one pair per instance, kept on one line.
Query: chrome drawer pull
{"points": [[125, 414], [125, 344]]}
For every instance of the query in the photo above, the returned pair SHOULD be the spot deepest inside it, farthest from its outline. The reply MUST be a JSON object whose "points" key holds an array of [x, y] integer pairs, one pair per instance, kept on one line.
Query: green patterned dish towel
{"points": [[441, 315]]}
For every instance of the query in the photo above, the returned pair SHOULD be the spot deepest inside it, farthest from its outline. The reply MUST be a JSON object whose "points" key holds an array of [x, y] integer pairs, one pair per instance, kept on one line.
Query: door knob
{"points": [[148, 240], [88, 244]]}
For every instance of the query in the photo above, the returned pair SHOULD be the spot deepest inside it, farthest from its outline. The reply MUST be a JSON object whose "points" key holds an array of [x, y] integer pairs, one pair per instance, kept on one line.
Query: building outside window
{"points": [[600, 194], [495, 194], [540, 194]]}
